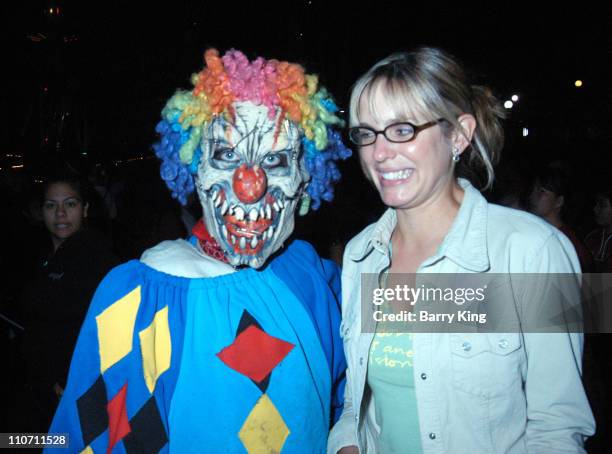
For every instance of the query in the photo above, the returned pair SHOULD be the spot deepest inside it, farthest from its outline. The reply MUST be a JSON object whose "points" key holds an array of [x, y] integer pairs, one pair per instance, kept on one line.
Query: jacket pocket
{"points": [[486, 365]]}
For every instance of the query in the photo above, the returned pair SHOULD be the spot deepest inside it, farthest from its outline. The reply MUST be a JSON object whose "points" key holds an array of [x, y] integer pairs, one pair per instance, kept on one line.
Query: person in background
{"points": [[599, 241], [57, 295], [550, 199], [420, 127]]}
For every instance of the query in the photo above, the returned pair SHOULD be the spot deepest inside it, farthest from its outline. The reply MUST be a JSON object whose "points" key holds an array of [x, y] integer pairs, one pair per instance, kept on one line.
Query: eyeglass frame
{"points": [[416, 128]]}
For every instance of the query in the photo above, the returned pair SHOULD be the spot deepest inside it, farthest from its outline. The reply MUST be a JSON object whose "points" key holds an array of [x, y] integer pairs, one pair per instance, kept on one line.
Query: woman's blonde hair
{"points": [[431, 83]]}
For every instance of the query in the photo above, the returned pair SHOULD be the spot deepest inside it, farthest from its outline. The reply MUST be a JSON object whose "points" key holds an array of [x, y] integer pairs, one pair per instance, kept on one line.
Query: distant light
{"points": [[515, 98], [50, 10], [525, 132], [578, 83], [17, 167], [84, 153], [508, 104]]}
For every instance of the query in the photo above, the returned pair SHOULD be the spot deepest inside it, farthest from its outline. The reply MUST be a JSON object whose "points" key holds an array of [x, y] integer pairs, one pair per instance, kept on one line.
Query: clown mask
{"points": [[249, 180]]}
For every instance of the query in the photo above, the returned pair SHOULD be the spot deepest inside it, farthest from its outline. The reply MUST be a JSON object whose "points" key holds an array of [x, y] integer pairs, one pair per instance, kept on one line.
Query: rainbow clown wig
{"points": [[257, 140], [270, 83]]}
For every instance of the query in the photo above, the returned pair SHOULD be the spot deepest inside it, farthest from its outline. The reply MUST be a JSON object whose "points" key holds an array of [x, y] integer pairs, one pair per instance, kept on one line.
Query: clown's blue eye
{"points": [[226, 155], [273, 160]]}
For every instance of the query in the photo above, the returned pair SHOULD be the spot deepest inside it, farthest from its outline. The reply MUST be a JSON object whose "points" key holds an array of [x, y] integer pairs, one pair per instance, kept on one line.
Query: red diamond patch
{"points": [[255, 353], [118, 424]]}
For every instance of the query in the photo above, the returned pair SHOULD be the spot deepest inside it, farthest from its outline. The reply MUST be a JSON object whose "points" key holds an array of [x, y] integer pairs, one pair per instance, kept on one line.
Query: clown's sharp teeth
{"points": [[239, 213], [268, 212], [254, 242], [270, 231], [276, 207], [280, 204], [213, 197], [224, 230], [262, 213], [217, 201], [231, 210], [242, 242], [253, 214], [233, 238], [224, 208]]}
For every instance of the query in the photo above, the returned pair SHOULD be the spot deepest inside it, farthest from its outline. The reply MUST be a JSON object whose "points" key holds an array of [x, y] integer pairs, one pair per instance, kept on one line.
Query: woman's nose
{"points": [[383, 150]]}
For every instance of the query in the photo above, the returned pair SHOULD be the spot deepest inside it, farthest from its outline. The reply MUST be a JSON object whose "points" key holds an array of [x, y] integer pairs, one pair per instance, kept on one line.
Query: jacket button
{"points": [[503, 343], [423, 376], [466, 346], [432, 436], [356, 417], [361, 361]]}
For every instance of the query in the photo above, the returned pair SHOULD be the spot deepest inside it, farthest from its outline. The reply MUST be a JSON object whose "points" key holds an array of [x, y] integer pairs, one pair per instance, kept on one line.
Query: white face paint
{"points": [[249, 181]]}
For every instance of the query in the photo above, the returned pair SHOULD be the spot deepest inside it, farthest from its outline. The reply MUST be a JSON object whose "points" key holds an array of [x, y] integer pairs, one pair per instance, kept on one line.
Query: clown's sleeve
{"points": [[316, 282], [115, 397], [332, 273]]}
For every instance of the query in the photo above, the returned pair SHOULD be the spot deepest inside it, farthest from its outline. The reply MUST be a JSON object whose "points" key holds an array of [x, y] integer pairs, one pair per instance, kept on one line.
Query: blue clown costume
{"points": [[180, 351], [248, 361]]}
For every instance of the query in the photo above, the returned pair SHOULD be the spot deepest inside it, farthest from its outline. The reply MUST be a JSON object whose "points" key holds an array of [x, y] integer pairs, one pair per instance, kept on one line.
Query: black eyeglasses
{"points": [[397, 132]]}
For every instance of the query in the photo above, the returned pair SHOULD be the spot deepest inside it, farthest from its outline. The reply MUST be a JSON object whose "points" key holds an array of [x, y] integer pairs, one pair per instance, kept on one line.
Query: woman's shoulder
{"points": [[361, 238], [518, 223], [525, 235], [379, 230]]}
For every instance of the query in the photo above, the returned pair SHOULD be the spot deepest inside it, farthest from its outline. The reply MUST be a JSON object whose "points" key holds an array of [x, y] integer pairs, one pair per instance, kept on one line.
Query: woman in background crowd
{"points": [[549, 199], [599, 241], [57, 297]]}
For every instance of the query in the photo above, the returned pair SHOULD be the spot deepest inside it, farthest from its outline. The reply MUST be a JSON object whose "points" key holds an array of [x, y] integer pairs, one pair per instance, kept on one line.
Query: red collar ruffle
{"points": [[208, 244]]}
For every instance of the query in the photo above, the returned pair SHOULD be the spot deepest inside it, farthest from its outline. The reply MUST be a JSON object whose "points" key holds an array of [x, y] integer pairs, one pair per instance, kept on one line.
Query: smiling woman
{"points": [[419, 125]]}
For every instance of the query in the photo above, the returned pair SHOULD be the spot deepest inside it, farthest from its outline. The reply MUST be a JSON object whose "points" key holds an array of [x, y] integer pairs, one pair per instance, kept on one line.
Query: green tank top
{"points": [[390, 377]]}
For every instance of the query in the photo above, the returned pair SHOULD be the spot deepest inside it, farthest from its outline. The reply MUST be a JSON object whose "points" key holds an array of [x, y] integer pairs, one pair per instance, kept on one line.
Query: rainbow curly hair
{"points": [[272, 83]]}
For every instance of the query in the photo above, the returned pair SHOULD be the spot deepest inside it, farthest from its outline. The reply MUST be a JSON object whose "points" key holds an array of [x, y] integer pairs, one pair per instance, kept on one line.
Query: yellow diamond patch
{"points": [[264, 430], [87, 450], [116, 329], [156, 348]]}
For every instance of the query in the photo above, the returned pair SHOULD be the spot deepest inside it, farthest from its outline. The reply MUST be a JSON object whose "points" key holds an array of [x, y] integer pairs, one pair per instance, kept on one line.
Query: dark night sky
{"points": [[128, 58]]}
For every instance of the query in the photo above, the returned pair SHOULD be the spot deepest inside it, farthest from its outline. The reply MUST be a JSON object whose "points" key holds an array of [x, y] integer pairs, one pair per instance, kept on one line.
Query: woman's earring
{"points": [[456, 155]]}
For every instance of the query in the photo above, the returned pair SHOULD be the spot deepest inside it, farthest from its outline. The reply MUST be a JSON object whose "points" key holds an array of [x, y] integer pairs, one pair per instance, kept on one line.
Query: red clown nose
{"points": [[249, 183]]}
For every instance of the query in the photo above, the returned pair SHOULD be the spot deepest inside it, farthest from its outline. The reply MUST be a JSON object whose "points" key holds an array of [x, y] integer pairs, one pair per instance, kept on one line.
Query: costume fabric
{"points": [[243, 362]]}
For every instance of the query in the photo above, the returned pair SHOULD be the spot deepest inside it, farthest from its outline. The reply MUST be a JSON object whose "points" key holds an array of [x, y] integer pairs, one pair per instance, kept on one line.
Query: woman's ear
{"points": [[462, 139]]}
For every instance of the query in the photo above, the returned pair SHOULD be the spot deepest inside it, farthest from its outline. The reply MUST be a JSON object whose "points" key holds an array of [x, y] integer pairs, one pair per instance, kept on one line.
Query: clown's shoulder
{"points": [[183, 258], [300, 259], [297, 264]]}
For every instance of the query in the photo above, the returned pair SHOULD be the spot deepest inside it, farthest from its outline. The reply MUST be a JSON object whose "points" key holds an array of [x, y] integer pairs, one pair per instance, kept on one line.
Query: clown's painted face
{"points": [[249, 181]]}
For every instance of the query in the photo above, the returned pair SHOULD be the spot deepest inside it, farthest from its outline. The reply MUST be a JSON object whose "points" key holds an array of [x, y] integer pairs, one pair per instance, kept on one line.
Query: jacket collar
{"points": [[465, 243]]}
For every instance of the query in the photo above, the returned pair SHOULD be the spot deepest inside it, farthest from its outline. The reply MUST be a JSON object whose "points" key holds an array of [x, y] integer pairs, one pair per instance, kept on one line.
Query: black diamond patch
{"points": [[92, 411], [245, 321], [148, 434]]}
